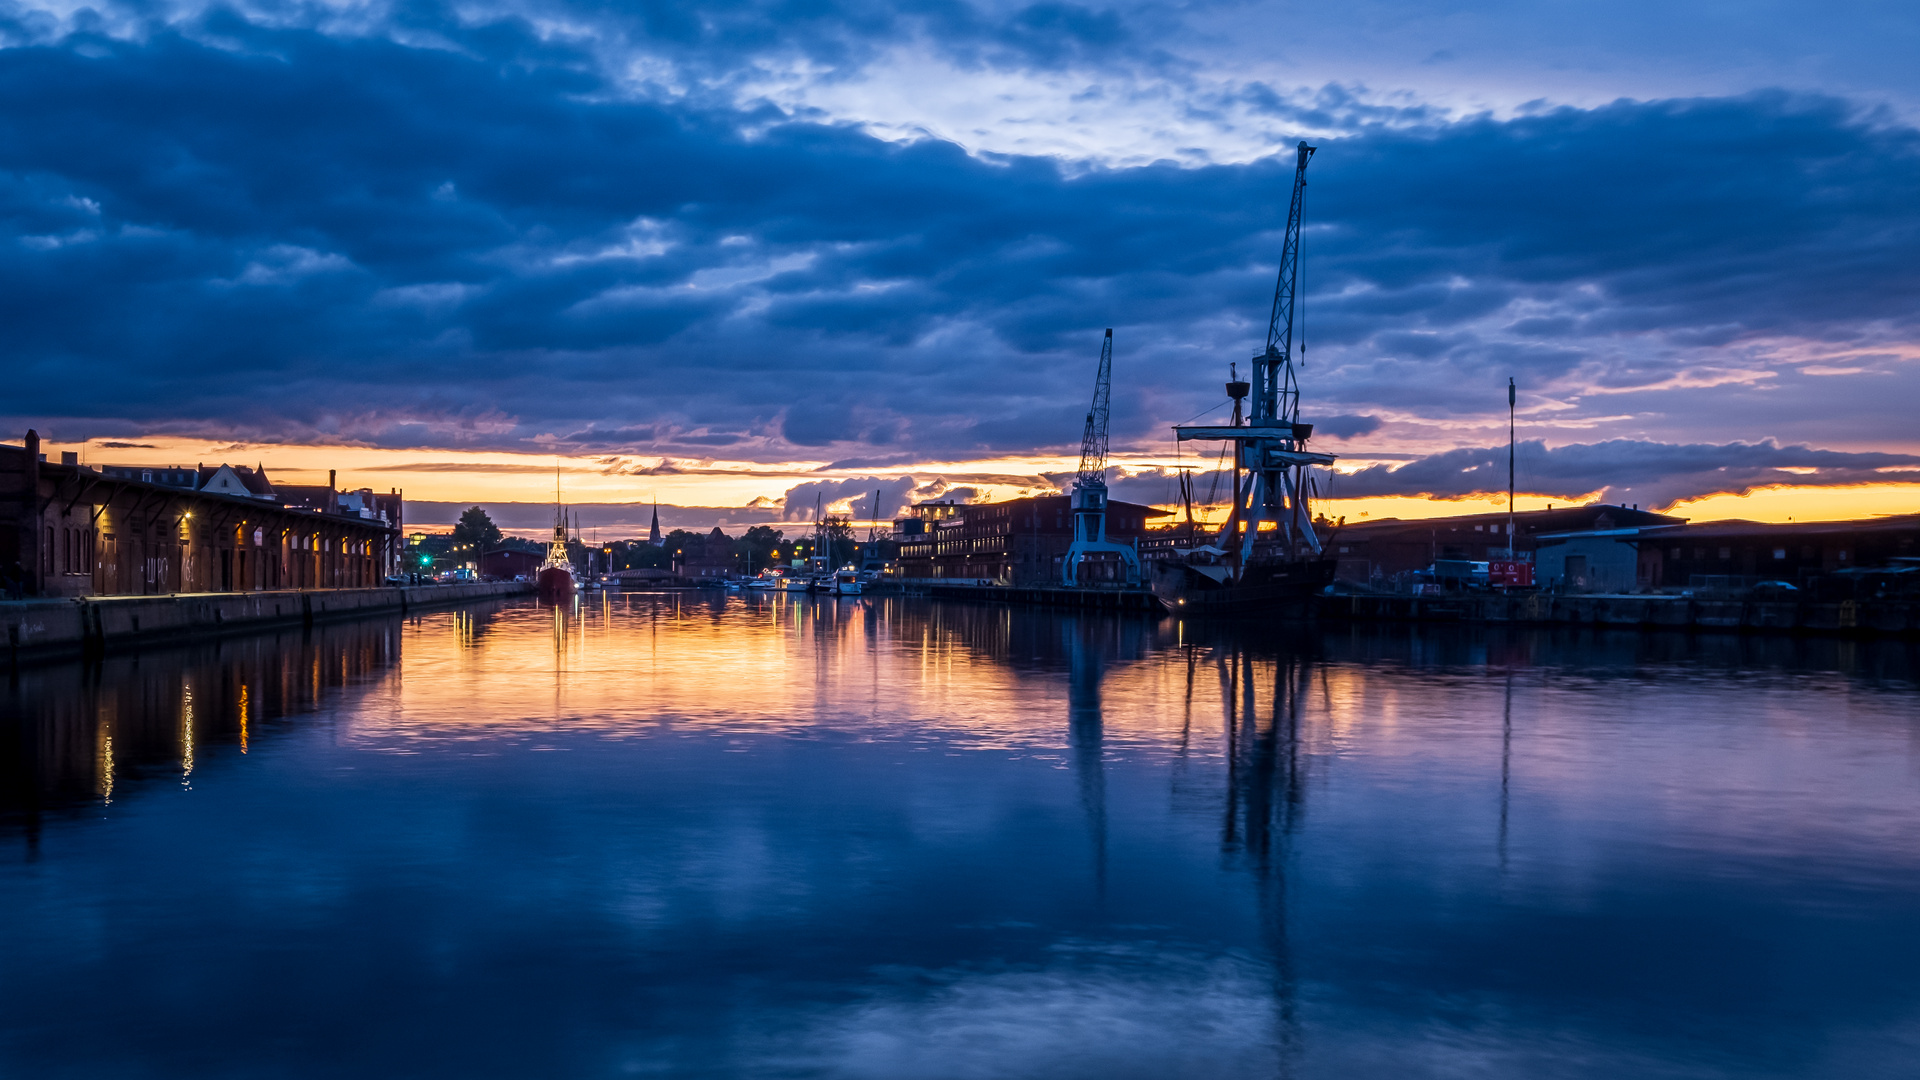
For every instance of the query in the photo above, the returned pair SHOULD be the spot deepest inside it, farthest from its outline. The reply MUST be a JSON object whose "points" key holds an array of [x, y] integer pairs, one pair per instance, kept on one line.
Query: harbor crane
{"points": [[1270, 460], [1090, 486]]}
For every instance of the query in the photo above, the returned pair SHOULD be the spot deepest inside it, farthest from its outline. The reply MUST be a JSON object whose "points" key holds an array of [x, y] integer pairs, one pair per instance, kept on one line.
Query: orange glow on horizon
{"points": [[493, 478]]}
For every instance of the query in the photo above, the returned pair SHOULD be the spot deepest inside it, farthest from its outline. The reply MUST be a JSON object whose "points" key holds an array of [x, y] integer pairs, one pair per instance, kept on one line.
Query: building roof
{"points": [[253, 481], [1112, 504], [311, 496], [1737, 529], [83, 476], [1526, 522]]}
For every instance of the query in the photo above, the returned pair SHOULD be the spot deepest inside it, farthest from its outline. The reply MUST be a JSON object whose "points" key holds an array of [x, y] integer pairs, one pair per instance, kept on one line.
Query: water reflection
{"points": [[782, 835], [73, 732]]}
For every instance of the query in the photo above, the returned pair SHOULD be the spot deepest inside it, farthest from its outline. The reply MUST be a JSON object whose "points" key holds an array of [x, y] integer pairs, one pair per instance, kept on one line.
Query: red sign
{"points": [[1510, 573]]}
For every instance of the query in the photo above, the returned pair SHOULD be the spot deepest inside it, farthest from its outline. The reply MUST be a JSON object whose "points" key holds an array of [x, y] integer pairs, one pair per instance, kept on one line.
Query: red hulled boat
{"points": [[555, 577]]}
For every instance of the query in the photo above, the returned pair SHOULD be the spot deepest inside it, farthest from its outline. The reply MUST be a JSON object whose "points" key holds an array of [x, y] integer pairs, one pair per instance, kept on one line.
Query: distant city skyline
{"points": [[734, 257]]}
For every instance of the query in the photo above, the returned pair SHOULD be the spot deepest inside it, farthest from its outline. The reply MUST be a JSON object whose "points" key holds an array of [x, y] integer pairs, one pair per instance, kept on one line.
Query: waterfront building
{"points": [[1722, 554], [508, 564], [1374, 553], [70, 530], [709, 557], [236, 480], [1019, 542], [168, 475], [223, 478]]}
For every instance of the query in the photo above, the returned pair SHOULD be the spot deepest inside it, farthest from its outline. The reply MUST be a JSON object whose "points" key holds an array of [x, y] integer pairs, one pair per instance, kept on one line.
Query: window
{"points": [[1726, 553], [1779, 553]]}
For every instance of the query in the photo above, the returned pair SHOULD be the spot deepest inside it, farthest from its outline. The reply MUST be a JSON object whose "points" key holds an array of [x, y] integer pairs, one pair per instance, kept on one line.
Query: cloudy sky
{"points": [[736, 255]]}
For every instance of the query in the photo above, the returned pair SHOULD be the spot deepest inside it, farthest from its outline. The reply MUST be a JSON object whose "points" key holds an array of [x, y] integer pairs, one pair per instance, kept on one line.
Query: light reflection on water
{"points": [[775, 835]]}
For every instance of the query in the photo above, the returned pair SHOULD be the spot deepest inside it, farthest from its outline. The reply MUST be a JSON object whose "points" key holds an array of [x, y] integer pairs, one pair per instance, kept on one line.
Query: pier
{"points": [[1054, 596]]}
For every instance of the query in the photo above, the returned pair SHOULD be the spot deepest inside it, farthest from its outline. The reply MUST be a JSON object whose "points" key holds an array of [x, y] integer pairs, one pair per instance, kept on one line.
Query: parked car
{"points": [[1775, 590]]}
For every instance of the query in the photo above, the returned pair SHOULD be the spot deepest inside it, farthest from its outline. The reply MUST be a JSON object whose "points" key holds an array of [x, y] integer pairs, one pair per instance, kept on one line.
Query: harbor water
{"points": [[782, 835]]}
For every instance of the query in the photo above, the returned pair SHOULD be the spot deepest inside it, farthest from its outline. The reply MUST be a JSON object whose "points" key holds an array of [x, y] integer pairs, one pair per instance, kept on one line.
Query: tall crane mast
{"points": [[1093, 441], [1089, 497], [1279, 396]]}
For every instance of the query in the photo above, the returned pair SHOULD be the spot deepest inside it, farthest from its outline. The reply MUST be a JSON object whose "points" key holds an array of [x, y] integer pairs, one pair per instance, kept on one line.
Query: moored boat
{"points": [[1268, 557], [555, 578]]}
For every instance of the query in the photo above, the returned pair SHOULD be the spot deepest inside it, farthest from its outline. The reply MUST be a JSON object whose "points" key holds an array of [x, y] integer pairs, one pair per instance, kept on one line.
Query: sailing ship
{"points": [[1267, 557]]}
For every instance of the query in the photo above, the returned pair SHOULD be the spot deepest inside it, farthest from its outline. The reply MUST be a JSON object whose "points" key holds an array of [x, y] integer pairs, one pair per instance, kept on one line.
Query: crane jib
{"points": [[1093, 440], [1279, 395]]}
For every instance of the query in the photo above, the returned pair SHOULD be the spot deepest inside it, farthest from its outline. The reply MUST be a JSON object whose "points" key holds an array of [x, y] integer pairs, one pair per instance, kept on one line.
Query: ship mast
{"points": [[1270, 459], [557, 547]]}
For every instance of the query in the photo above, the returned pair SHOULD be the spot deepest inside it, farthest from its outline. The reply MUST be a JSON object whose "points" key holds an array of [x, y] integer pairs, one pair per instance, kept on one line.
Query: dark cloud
{"points": [[1346, 427], [894, 495], [265, 231], [471, 467], [1621, 470]]}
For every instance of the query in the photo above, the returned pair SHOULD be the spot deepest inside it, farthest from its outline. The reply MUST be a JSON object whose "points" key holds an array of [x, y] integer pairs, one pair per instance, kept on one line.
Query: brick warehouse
{"points": [[1021, 541], [70, 530]]}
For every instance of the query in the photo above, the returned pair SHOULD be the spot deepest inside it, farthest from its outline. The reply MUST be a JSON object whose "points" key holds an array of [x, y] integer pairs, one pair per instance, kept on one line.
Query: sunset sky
{"points": [[736, 255]]}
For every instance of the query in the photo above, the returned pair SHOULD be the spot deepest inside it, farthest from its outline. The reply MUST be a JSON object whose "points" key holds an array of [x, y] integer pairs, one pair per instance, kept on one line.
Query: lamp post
{"points": [[1511, 395]]}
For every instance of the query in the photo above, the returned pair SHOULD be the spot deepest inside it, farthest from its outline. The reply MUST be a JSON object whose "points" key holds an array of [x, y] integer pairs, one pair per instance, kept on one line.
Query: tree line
{"points": [[759, 546]]}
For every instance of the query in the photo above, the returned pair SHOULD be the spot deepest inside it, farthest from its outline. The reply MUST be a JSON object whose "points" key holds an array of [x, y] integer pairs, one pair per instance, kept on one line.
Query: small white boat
{"points": [[846, 583]]}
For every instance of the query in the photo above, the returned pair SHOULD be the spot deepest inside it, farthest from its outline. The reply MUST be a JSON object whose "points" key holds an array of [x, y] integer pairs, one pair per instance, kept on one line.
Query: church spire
{"points": [[653, 535]]}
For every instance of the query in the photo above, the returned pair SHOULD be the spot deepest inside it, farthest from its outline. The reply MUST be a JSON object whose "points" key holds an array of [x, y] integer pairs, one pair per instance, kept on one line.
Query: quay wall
{"points": [[1625, 612], [1096, 599], [1869, 617], [52, 626]]}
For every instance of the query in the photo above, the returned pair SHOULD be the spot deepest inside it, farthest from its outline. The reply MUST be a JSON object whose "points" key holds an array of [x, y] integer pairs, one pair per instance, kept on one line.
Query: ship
{"points": [[555, 578], [1267, 558]]}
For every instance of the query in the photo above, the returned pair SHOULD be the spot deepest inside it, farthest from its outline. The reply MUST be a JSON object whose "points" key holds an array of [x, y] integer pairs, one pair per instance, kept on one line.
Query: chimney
{"points": [[29, 522], [69, 457]]}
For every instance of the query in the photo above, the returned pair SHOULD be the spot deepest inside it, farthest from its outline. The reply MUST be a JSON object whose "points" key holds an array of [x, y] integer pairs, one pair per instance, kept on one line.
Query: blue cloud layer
{"points": [[470, 234]]}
